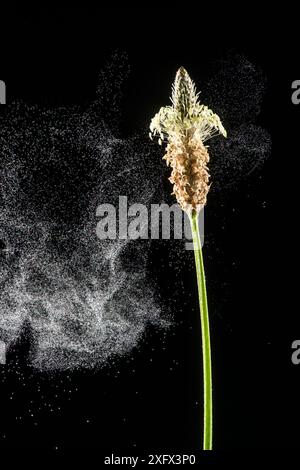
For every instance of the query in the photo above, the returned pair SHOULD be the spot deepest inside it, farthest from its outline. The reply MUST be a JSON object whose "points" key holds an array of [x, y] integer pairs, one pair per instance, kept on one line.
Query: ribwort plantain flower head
{"points": [[186, 125]]}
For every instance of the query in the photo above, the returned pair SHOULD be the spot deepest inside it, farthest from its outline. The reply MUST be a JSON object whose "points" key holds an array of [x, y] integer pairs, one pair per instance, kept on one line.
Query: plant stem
{"points": [[206, 349]]}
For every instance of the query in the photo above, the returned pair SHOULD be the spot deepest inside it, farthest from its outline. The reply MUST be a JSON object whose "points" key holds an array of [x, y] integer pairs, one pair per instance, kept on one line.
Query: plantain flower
{"points": [[186, 126]]}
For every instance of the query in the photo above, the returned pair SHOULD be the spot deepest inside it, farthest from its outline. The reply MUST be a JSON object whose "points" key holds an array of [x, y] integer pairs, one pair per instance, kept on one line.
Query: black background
{"points": [[148, 402]]}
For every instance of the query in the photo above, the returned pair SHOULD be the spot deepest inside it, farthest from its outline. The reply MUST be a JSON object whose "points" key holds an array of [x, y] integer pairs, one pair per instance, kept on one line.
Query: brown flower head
{"points": [[186, 125]]}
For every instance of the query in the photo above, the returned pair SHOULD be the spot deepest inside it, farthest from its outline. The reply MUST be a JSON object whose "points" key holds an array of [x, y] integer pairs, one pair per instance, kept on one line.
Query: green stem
{"points": [[206, 351]]}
